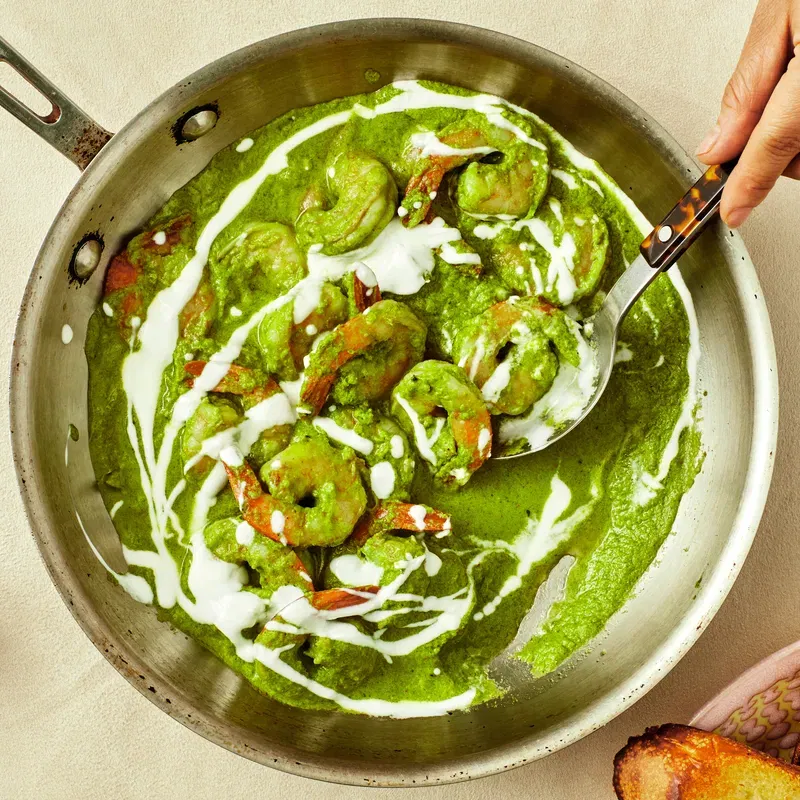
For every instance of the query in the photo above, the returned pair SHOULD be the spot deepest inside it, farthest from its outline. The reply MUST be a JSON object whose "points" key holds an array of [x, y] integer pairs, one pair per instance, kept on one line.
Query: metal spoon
{"points": [[660, 249]]}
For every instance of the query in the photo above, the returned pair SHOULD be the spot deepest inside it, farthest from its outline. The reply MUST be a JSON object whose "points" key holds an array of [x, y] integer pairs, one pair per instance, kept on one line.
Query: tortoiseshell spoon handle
{"points": [[687, 220]]}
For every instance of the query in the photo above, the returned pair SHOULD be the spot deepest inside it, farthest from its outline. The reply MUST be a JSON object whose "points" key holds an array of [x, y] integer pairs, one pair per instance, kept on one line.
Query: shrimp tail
{"points": [[419, 190], [238, 380], [300, 568], [256, 505], [363, 295], [334, 599], [393, 515], [316, 392]]}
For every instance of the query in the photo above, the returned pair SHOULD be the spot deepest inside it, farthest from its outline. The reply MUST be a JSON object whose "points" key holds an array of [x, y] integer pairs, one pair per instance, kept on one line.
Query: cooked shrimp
{"points": [[278, 566], [365, 357], [511, 352], [198, 314], [561, 260], [250, 389], [513, 185], [284, 343], [384, 557], [378, 550], [379, 441], [458, 143], [212, 416], [443, 410], [136, 271], [263, 258], [315, 494], [246, 383], [366, 198]]}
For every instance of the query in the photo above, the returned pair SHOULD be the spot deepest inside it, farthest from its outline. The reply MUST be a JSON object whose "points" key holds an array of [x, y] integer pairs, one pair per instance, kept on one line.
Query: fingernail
{"points": [[736, 217], [709, 141]]}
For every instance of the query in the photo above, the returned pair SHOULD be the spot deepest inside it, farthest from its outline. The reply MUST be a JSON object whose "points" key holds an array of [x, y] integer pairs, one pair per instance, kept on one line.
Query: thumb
{"points": [[762, 62]]}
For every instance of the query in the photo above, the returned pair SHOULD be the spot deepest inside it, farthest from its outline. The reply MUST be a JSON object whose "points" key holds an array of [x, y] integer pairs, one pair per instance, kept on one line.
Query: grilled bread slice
{"points": [[676, 762]]}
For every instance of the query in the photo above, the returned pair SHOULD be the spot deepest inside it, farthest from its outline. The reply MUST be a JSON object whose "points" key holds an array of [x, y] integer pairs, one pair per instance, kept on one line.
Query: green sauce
{"points": [[591, 496]]}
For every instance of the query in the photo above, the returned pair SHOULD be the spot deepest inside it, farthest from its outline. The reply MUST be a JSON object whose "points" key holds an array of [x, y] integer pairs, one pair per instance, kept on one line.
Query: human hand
{"points": [[760, 116]]}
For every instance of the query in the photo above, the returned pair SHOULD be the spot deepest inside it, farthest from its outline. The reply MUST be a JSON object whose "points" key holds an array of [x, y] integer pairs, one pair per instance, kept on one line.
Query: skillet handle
{"points": [[688, 219], [69, 129]]}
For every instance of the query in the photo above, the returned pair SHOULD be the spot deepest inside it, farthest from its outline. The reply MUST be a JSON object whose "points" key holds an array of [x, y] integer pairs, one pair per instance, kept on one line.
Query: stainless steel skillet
{"points": [[131, 177]]}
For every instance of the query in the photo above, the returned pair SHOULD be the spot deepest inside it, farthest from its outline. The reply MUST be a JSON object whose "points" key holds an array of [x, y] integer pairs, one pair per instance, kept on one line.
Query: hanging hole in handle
{"points": [[196, 123], [85, 258], [17, 85]]}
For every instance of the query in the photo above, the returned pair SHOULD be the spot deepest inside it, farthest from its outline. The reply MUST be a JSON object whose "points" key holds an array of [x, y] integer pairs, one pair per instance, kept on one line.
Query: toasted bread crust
{"points": [[676, 762]]}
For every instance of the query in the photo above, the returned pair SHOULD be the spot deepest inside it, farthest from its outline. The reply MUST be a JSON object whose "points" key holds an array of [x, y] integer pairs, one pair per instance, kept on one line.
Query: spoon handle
{"points": [[687, 220]]}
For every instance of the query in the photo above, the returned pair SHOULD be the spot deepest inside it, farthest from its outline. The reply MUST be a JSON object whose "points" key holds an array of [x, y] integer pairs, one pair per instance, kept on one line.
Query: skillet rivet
{"points": [[199, 124], [664, 232], [86, 258]]}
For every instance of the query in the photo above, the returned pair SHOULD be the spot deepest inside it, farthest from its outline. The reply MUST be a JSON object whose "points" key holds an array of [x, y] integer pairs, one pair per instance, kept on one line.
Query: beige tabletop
{"points": [[70, 726]]}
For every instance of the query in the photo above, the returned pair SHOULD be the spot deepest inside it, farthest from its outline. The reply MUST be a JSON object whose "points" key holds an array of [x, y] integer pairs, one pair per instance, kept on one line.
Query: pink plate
{"points": [[761, 708]]}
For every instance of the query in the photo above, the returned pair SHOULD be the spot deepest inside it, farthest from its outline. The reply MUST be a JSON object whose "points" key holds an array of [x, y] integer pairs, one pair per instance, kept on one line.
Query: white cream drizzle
{"points": [[560, 277], [382, 479], [245, 533], [623, 353], [430, 145], [555, 207], [566, 177], [397, 447], [484, 439], [485, 231], [449, 254], [292, 390], [418, 514], [275, 410], [345, 436], [354, 571], [400, 258], [497, 381], [366, 275], [477, 357], [594, 185], [135, 585], [432, 563], [299, 616], [424, 442], [539, 538]]}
